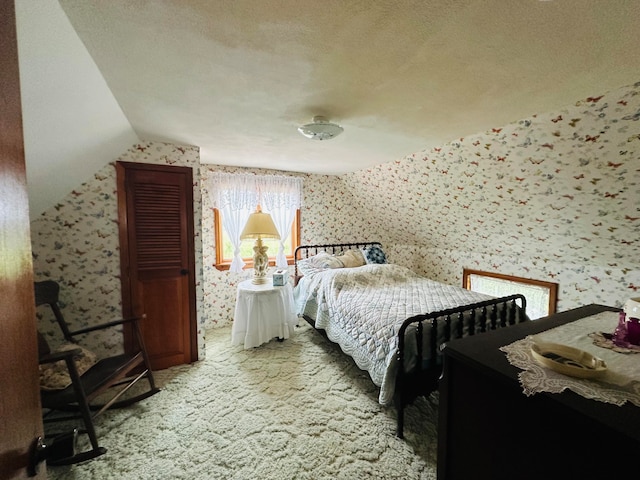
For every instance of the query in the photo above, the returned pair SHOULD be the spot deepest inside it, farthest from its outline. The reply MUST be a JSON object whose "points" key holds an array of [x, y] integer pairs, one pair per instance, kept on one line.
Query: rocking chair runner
{"points": [[123, 371]]}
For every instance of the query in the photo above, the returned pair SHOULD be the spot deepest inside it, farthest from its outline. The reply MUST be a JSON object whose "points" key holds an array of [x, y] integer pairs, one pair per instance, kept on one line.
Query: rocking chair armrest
{"points": [[103, 326], [62, 355]]}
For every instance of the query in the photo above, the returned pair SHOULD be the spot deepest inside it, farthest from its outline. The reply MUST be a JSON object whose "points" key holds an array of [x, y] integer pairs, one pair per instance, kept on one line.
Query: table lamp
{"points": [[259, 226]]}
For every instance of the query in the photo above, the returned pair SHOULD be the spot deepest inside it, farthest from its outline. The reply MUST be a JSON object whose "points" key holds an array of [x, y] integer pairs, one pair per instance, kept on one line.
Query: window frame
{"points": [[224, 264], [553, 287]]}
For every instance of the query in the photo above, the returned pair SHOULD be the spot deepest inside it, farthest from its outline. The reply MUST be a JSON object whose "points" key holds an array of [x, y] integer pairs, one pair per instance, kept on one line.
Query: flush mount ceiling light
{"points": [[320, 129]]}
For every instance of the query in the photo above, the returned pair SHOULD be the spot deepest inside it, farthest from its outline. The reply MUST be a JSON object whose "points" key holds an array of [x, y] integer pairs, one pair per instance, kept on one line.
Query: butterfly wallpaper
{"points": [[555, 197], [552, 197]]}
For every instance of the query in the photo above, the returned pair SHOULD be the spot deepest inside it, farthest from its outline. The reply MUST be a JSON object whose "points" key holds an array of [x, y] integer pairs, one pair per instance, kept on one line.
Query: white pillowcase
{"points": [[318, 263]]}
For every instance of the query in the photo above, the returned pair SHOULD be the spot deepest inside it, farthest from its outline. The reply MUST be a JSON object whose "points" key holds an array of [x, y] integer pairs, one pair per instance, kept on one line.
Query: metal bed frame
{"points": [[422, 380]]}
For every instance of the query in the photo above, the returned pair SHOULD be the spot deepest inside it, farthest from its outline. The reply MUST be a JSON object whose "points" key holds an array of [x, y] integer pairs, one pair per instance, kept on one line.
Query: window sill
{"points": [[248, 264]]}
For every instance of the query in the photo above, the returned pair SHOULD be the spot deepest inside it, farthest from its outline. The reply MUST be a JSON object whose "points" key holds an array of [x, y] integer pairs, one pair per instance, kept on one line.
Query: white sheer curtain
{"points": [[237, 196], [282, 197]]}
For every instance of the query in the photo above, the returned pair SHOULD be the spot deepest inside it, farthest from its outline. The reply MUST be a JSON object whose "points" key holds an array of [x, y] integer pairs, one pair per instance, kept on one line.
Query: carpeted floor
{"points": [[299, 409]]}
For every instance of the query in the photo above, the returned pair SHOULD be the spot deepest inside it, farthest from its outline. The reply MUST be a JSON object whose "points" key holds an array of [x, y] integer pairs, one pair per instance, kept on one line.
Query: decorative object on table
{"points": [[633, 331], [605, 340], [260, 225], [619, 336], [280, 278], [632, 312], [618, 385], [627, 332], [632, 308], [567, 360]]}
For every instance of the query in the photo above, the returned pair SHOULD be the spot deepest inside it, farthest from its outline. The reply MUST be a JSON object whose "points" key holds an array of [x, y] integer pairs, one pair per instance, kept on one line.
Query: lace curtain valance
{"points": [[237, 195], [240, 190]]}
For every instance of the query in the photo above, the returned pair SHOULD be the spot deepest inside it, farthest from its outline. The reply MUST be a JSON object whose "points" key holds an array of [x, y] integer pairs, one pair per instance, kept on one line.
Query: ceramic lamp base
{"points": [[260, 263]]}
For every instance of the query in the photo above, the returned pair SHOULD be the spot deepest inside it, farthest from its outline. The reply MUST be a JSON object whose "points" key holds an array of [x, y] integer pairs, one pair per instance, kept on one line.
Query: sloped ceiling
{"points": [[237, 77], [72, 124]]}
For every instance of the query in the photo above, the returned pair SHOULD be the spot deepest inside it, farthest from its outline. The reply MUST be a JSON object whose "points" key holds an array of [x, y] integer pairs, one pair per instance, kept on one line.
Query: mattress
{"points": [[362, 308]]}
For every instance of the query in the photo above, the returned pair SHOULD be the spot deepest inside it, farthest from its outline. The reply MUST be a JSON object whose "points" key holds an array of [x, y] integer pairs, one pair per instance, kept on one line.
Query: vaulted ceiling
{"points": [[237, 77]]}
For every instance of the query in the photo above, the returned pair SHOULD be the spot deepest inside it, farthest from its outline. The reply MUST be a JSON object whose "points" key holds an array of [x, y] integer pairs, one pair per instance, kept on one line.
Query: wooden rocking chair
{"points": [[117, 373]]}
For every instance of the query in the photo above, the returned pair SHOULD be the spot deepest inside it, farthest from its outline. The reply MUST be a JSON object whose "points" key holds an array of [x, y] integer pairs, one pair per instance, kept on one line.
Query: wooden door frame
{"points": [[125, 248]]}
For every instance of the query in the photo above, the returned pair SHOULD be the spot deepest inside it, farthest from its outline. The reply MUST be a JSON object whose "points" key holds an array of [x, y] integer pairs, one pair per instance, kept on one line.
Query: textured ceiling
{"points": [[237, 77]]}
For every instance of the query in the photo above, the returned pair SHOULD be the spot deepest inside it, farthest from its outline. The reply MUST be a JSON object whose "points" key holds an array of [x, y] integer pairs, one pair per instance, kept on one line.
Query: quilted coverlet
{"points": [[362, 309]]}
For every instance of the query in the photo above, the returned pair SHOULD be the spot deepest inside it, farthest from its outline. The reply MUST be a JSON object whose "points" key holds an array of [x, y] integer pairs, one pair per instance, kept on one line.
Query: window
{"points": [[235, 196], [225, 248], [541, 296]]}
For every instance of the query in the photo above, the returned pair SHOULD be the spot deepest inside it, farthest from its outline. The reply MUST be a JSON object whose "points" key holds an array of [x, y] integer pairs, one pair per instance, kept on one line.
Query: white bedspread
{"points": [[363, 308]]}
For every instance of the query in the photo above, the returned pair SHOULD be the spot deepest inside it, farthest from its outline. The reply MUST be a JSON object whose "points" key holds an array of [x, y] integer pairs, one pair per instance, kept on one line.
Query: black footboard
{"points": [[431, 330]]}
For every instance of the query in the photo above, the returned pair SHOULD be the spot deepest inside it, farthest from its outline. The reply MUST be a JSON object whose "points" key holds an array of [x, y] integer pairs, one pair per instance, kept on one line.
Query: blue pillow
{"points": [[374, 254]]}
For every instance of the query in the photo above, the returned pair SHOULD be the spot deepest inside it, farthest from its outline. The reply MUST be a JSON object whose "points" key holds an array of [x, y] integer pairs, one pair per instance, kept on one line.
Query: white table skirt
{"points": [[263, 312]]}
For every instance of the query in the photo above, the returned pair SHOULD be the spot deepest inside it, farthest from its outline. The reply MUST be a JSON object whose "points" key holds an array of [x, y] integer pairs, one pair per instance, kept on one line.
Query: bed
{"points": [[390, 320]]}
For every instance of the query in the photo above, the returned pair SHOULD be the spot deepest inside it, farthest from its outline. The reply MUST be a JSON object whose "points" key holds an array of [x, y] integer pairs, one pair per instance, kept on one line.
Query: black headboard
{"points": [[306, 251]]}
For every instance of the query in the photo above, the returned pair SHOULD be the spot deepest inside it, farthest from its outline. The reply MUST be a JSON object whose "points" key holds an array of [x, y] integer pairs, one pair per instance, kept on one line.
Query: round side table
{"points": [[262, 312]]}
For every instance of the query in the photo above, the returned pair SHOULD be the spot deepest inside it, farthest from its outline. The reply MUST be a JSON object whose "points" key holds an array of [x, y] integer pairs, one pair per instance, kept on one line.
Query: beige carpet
{"points": [[299, 409]]}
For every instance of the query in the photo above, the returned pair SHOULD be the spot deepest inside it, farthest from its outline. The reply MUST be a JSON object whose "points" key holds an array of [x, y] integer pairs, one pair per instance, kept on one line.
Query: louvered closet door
{"points": [[156, 225]]}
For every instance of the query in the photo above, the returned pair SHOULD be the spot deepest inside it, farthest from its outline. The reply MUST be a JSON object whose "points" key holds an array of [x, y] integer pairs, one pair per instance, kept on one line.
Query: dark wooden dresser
{"points": [[488, 429]]}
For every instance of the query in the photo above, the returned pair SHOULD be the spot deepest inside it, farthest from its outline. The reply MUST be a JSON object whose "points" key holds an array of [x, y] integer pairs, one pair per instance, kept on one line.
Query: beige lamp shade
{"points": [[259, 225]]}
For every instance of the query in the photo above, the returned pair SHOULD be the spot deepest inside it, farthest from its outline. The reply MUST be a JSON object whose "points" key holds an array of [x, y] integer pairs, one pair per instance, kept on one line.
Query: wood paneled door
{"points": [[20, 413], [155, 211]]}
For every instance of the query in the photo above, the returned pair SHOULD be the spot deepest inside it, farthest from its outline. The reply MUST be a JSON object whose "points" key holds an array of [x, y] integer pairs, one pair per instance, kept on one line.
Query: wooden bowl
{"points": [[568, 360]]}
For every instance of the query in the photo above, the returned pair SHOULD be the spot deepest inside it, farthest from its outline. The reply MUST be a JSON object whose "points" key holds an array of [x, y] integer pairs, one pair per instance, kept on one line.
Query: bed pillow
{"points": [[374, 254], [55, 376], [329, 261], [307, 267], [318, 263], [352, 258]]}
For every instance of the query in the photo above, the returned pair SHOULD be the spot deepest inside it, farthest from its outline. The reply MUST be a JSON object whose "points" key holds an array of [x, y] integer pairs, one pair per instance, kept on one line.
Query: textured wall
{"points": [[553, 196], [76, 243]]}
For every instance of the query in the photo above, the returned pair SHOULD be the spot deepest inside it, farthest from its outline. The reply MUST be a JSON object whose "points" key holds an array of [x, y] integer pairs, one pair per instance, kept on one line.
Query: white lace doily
{"points": [[620, 384]]}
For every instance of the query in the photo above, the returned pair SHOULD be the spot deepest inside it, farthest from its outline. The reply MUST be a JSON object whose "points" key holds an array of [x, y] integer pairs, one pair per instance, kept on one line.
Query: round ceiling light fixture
{"points": [[320, 129]]}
